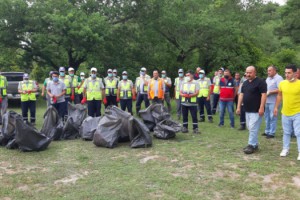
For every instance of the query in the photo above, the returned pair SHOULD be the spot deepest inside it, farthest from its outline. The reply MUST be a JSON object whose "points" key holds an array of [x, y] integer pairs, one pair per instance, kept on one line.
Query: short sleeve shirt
{"points": [[56, 89], [273, 84], [252, 94], [291, 97], [189, 84]]}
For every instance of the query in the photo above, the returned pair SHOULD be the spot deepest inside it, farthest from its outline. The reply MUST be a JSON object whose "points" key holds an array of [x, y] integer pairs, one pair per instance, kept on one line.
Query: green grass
{"points": [[207, 166]]}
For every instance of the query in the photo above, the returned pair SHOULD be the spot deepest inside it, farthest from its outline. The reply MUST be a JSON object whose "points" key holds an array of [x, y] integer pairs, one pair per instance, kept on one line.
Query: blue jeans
{"points": [[253, 121], [222, 106], [290, 124], [271, 120]]}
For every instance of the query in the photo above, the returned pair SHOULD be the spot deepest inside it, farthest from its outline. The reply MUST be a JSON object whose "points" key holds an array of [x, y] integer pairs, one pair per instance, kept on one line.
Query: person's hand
{"points": [[54, 99], [275, 112], [72, 97], [118, 100], [238, 111], [207, 99], [28, 91], [42, 94], [133, 97], [24, 92], [0, 99], [261, 111], [105, 101], [83, 101]]}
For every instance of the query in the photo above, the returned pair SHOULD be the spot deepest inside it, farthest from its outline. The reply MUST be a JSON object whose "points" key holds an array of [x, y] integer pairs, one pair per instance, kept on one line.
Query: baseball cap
{"points": [[70, 69], [202, 71], [109, 71], [115, 71], [124, 72], [143, 69], [163, 72], [180, 71], [62, 69], [25, 75], [221, 68], [82, 74], [94, 69]]}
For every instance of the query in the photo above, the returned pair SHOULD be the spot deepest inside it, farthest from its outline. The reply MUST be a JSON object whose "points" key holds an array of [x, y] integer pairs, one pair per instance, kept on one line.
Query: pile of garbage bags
{"points": [[16, 134], [157, 119]]}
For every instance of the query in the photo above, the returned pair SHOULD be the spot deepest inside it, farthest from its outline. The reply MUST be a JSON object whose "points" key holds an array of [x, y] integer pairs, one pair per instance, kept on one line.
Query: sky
{"points": [[280, 2]]}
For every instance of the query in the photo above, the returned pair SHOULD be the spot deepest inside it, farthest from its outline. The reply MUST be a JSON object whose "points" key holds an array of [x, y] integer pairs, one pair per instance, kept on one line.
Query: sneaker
{"points": [[284, 153], [250, 149], [220, 125], [270, 136], [184, 130], [196, 131], [264, 134], [298, 157], [242, 128], [210, 121], [201, 120]]}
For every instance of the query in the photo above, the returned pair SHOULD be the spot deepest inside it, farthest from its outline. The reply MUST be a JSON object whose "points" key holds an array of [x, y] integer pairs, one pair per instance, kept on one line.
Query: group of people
{"points": [[193, 91]]}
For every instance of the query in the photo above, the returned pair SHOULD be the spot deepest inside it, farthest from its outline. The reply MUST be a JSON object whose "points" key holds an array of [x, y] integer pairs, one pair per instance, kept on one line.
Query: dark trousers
{"points": [[215, 104], [77, 99], [140, 99], [126, 103], [201, 103], [94, 108], [28, 105], [243, 116], [185, 112], [67, 99], [111, 101], [157, 101], [60, 107]]}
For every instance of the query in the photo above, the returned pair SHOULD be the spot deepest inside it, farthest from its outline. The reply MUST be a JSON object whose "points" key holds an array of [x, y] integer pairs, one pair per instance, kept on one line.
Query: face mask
{"points": [[180, 74], [142, 73], [114, 74], [201, 76], [163, 76], [93, 76], [82, 78], [25, 80], [124, 77], [188, 79], [55, 79], [62, 73], [110, 75], [71, 75], [227, 77]]}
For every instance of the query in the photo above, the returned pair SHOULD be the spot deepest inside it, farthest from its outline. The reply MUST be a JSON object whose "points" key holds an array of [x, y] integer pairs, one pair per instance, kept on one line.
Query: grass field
{"points": [[211, 165]]}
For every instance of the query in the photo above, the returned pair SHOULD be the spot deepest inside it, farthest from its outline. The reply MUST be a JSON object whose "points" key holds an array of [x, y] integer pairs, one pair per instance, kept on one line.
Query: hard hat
{"points": [[62, 69], [70, 69], [109, 71], [143, 69], [82, 74], [202, 71], [124, 72], [180, 71], [25, 75], [115, 71], [93, 69]]}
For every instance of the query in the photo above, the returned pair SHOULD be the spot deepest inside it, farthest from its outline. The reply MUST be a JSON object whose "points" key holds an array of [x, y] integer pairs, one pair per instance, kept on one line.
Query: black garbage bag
{"points": [[154, 114], [8, 130], [12, 144], [126, 120], [141, 137], [88, 128], [76, 114], [30, 139], [107, 132], [53, 124], [166, 129]]}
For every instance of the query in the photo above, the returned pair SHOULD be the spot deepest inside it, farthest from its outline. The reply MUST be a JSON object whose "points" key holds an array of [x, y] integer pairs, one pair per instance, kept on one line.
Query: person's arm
{"points": [[62, 93], [49, 93], [278, 101], [240, 100], [118, 92]]}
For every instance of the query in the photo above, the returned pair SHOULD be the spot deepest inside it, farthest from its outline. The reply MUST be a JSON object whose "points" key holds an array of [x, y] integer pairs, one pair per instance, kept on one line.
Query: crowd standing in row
{"points": [[254, 97]]}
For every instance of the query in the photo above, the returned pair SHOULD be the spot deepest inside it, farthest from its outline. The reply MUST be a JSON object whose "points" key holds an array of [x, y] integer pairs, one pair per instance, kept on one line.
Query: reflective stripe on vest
{"points": [[191, 90], [160, 90], [3, 84], [204, 88], [125, 90], [217, 85], [80, 90], [26, 87], [110, 87], [138, 82], [74, 82], [68, 86], [93, 90]]}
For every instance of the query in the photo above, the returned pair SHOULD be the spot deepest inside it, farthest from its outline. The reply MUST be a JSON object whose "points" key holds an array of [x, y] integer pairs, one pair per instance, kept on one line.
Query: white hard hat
{"points": [[94, 69], [143, 69], [115, 71], [70, 69], [202, 71], [82, 73]]}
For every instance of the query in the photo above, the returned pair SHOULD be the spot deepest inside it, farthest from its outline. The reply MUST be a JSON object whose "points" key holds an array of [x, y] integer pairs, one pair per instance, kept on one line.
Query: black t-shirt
{"points": [[252, 94]]}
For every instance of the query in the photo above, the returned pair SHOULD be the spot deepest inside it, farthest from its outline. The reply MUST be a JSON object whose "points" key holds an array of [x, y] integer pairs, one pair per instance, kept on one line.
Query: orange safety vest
{"points": [[160, 93]]}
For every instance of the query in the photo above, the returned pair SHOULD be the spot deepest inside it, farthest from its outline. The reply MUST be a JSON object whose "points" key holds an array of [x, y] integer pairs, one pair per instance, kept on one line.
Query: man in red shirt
{"points": [[227, 94]]}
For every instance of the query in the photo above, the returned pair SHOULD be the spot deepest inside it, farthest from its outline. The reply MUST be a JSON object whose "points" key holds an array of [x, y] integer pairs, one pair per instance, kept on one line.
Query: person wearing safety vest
{"points": [[3, 96], [44, 88], [56, 90], [27, 89], [69, 90], [115, 74], [204, 97], [93, 93], [141, 86], [126, 93], [216, 90], [168, 84], [227, 94], [74, 85], [156, 89], [177, 85], [80, 86], [111, 87], [189, 92]]}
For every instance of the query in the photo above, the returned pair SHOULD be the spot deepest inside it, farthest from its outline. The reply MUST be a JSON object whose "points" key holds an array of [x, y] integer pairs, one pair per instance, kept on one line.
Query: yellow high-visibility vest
{"points": [[125, 90], [111, 86], [3, 85], [204, 87], [93, 90], [191, 90], [26, 87]]}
